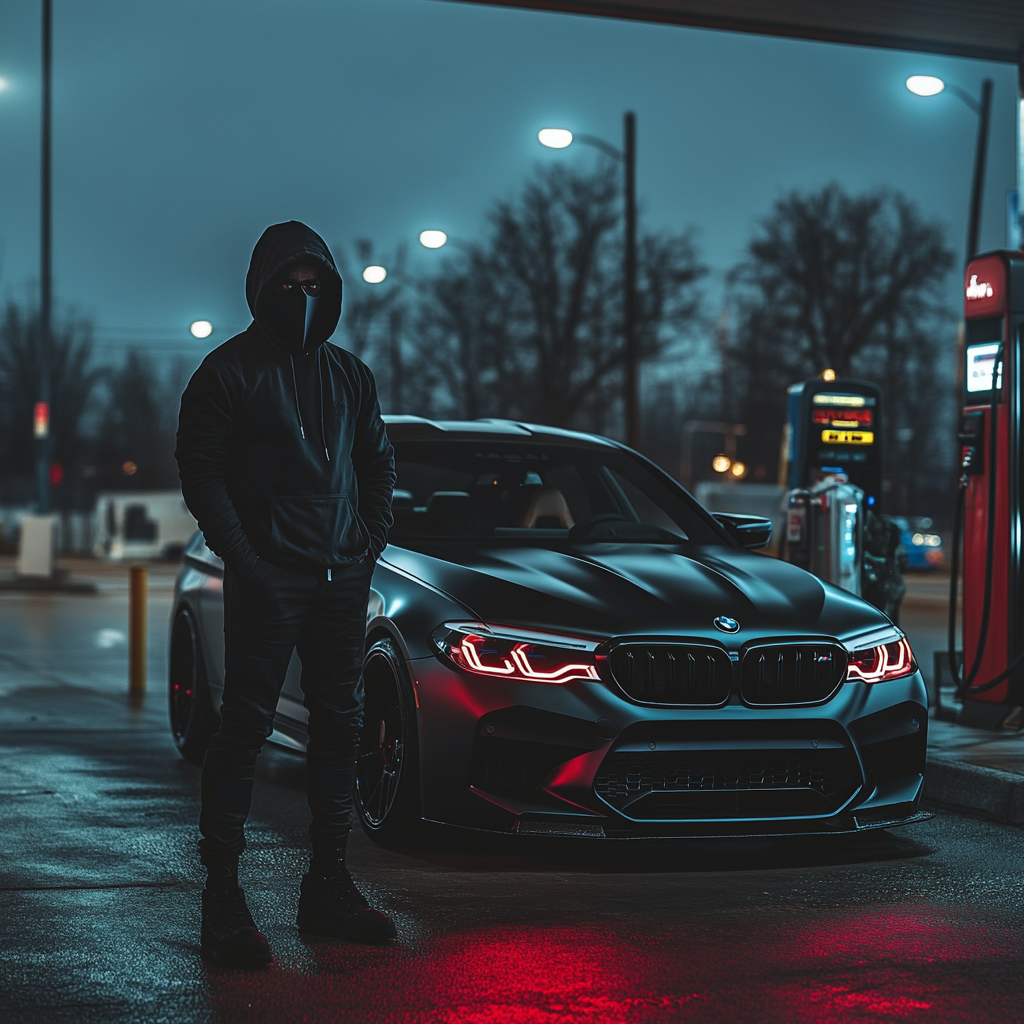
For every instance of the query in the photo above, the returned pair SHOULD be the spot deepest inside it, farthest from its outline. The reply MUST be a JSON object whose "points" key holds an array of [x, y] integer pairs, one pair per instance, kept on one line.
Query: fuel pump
{"points": [[988, 519], [835, 429], [834, 476]]}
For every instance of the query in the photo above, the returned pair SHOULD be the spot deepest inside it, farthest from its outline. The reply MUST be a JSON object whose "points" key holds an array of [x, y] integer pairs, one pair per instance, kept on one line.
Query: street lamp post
{"points": [[560, 138], [629, 312], [42, 411], [928, 85]]}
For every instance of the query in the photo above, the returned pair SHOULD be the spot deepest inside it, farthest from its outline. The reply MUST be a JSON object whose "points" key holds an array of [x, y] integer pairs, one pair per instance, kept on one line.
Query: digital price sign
{"points": [[835, 429], [847, 419]]}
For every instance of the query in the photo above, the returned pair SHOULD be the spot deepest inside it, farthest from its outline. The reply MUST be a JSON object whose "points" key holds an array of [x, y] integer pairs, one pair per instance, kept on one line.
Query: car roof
{"points": [[418, 428]]}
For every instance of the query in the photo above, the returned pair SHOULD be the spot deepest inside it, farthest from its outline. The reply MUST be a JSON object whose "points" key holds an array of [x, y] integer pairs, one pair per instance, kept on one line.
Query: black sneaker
{"points": [[333, 906], [229, 935]]}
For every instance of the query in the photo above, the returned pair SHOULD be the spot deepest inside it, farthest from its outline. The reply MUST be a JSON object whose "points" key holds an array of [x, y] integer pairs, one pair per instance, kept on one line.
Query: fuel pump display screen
{"points": [[843, 419], [981, 364]]}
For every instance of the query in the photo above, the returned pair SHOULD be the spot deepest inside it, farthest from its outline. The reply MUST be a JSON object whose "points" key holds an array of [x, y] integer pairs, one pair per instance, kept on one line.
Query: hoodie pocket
{"points": [[322, 529]]}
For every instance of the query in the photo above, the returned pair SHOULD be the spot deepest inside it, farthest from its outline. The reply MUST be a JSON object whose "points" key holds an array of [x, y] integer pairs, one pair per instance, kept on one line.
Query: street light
{"points": [[560, 138], [374, 275], [925, 85], [439, 239], [555, 138], [433, 239], [201, 329], [928, 85]]}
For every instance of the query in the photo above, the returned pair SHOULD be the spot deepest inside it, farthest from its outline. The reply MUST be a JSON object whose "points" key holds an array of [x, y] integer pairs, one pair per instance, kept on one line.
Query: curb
{"points": [[969, 787], [58, 583], [48, 587]]}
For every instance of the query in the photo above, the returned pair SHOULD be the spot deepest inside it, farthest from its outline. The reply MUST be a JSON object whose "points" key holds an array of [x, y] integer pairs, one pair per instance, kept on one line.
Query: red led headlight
{"points": [[515, 654], [882, 663]]}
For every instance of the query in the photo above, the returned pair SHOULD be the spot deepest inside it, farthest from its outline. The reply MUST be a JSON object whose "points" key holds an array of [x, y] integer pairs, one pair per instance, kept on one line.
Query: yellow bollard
{"points": [[137, 586]]}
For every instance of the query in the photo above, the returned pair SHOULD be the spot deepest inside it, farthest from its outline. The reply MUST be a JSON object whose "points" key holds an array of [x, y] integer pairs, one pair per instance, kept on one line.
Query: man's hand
{"points": [[266, 580]]}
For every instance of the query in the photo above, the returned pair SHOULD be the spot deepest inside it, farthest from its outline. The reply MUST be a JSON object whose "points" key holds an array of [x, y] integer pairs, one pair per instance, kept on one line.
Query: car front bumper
{"points": [[578, 759]]}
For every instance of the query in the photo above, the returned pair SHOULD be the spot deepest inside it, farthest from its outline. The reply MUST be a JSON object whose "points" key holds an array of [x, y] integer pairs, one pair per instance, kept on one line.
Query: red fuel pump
{"points": [[990, 677]]}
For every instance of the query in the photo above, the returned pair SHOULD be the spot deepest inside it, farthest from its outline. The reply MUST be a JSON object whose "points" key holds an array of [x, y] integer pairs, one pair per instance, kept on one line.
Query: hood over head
{"points": [[293, 321]]}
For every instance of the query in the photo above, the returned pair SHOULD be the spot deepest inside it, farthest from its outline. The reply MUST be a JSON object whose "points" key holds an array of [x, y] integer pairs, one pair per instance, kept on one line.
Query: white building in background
{"points": [[142, 524]]}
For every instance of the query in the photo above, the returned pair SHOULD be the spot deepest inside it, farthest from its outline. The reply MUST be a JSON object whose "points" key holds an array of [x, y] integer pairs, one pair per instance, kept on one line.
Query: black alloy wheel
{"points": [[193, 720], [387, 770]]}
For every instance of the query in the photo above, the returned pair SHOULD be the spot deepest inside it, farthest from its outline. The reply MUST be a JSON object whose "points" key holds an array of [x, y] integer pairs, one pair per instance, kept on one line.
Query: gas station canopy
{"points": [[982, 29]]}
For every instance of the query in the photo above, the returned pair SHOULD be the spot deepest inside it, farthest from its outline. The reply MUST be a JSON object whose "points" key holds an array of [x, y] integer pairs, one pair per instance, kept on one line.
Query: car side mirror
{"points": [[748, 531]]}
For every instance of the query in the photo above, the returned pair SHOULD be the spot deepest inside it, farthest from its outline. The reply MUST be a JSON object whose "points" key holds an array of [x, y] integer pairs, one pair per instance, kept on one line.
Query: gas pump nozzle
{"points": [[971, 435]]}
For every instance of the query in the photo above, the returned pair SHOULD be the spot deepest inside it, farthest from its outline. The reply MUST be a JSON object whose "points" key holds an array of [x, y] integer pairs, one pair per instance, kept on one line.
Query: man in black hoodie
{"points": [[286, 466]]}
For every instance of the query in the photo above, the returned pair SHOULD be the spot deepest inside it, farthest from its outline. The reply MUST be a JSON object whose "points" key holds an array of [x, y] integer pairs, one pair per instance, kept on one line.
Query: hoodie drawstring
{"points": [[320, 388], [295, 388]]}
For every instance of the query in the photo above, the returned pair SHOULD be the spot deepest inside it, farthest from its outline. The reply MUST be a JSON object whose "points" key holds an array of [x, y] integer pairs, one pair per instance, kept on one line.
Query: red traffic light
{"points": [[41, 419]]}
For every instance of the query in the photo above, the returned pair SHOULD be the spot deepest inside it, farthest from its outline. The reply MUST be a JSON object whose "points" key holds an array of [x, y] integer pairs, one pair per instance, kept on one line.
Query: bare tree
{"points": [[528, 324], [849, 283], [73, 382], [463, 339], [135, 440], [373, 315]]}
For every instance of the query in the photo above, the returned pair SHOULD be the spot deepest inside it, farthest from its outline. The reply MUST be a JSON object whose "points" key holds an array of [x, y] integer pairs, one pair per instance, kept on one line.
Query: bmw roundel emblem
{"points": [[727, 625]]}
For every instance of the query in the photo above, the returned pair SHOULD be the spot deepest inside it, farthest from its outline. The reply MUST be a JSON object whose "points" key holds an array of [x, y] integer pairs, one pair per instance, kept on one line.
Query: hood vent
{"points": [[682, 674]]}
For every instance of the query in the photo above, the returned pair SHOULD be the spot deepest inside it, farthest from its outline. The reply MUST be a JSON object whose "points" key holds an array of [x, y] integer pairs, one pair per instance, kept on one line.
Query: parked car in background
{"points": [[925, 550], [142, 524]]}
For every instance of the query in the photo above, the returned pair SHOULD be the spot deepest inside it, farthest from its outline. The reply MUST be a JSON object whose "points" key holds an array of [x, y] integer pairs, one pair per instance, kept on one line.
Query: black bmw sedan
{"points": [[560, 640]]}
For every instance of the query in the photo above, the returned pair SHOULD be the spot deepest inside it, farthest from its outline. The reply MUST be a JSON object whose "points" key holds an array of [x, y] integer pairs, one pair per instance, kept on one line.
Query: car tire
{"points": [[387, 784], [193, 719]]}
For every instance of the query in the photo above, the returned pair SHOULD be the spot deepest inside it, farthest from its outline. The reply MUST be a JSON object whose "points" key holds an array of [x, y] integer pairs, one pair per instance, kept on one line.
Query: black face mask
{"points": [[290, 313]]}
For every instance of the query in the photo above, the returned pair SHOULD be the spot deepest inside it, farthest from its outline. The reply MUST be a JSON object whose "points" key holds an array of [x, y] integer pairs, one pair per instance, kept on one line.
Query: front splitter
{"points": [[573, 830]]}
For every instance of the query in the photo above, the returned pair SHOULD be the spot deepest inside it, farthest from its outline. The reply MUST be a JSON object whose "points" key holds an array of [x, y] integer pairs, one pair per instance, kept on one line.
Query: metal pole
{"points": [[1020, 135], [397, 369], [978, 184], [45, 269], [137, 586], [632, 374]]}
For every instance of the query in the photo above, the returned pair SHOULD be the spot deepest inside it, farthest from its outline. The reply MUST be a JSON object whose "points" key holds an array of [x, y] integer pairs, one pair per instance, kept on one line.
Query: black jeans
{"points": [[265, 619]]}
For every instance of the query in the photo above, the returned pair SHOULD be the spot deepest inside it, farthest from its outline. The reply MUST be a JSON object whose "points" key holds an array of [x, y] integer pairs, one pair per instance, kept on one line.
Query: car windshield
{"points": [[466, 490]]}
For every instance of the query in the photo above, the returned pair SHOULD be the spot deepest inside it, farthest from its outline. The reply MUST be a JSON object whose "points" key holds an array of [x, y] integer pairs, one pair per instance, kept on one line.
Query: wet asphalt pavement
{"points": [[99, 890]]}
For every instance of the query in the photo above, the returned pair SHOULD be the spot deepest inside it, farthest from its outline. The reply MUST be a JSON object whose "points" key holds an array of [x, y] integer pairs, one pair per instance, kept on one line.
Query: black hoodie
{"points": [[281, 450]]}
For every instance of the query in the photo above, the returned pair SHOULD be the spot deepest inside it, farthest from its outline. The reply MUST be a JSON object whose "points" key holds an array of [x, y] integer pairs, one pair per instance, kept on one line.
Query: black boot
{"points": [[330, 904], [229, 936]]}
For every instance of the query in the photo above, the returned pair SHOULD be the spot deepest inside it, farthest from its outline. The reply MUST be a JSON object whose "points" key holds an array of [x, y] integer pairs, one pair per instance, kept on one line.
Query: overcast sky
{"points": [[183, 127]]}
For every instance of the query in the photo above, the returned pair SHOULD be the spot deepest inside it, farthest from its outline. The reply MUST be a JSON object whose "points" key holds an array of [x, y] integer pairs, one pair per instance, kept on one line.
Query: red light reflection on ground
{"points": [[544, 976], [915, 964]]}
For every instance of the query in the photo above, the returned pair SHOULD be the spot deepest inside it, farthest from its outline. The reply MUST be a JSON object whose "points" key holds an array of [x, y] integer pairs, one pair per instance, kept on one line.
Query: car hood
{"points": [[605, 590]]}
